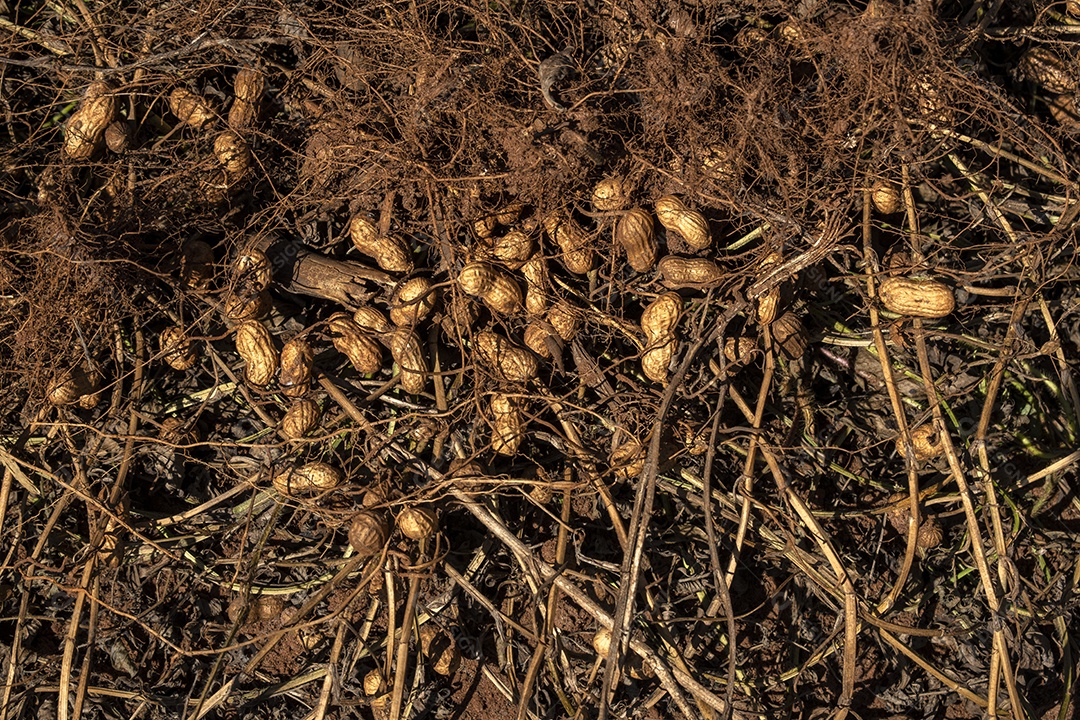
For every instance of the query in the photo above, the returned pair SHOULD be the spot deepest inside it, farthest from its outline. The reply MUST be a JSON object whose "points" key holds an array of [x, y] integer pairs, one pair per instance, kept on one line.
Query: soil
{"points": [[869, 510]]}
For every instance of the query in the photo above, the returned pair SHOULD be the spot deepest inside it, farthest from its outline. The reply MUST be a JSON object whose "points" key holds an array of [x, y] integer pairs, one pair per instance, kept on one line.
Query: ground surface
{"points": [[866, 506]]}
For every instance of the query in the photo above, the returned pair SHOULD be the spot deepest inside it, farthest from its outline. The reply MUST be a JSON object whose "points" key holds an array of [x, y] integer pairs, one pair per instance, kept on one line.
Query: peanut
{"points": [[768, 305], [441, 649], [635, 233], [252, 272], [297, 360], [1046, 69], [609, 194], [790, 334], [917, 298], [496, 288], [513, 248], [371, 320], [510, 362], [417, 523], [507, 426], [885, 196], [300, 418], [234, 154], [659, 322], [564, 319], [308, 479], [118, 136], [926, 441], [689, 224], [412, 301], [70, 386], [536, 276], [510, 213], [349, 339], [628, 460], [179, 352], [86, 127], [739, 350], [679, 272], [368, 533], [577, 257], [391, 253], [256, 348], [191, 109], [405, 347], [249, 85], [241, 307], [541, 339]]}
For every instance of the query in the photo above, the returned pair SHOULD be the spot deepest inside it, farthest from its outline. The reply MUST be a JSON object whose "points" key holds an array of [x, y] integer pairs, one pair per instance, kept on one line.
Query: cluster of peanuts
{"points": [[97, 122]]}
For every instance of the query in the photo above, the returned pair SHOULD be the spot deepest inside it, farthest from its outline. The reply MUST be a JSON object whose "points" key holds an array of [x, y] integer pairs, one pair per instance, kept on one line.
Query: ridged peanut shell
{"points": [[507, 425], [769, 304], [191, 109], [510, 213], [69, 386], [917, 298], [790, 335], [371, 320], [609, 194], [390, 253], [538, 338], [635, 233], [249, 84], [691, 225], [239, 307], [256, 348], [412, 301], [197, 264], [739, 350], [1046, 69], [118, 136], [886, 198], [297, 360], [242, 114], [368, 533], [926, 441], [405, 347], [252, 271], [680, 272], [659, 322], [86, 127], [495, 287], [417, 522], [234, 154], [351, 341], [536, 276], [180, 353], [300, 418], [577, 257], [513, 248], [309, 479], [628, 460], [441, 650], [509, 361], [565, 320]]}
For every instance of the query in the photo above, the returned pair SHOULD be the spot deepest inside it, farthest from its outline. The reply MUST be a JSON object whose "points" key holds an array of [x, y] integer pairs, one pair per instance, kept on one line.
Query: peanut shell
{"points": [[577, 257], [256, 348], [510, 362], [191, 109], [412, 301], [417, 523], [917, 298], [405, 347], [691, 225], [309, 479], [86, 127], [680, 272], [297, 359], [180, 353], [610, 194], [351, 341], [635, 233], [300, 418], [368, 533], [507, 425]]}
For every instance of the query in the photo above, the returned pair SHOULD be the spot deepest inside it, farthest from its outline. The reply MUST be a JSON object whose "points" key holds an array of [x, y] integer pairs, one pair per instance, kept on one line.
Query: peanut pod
{"points": [[691, 225], [680, 272], [509, 361], [635, 233], [256, 348], [917, 298]]}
